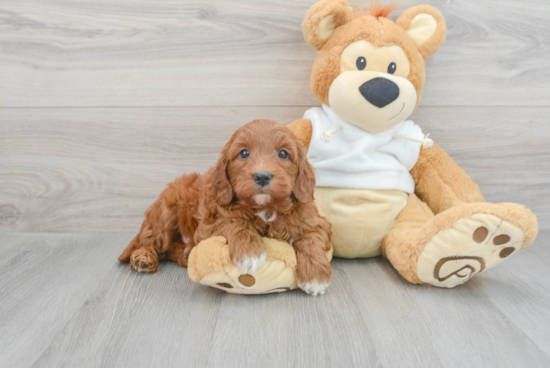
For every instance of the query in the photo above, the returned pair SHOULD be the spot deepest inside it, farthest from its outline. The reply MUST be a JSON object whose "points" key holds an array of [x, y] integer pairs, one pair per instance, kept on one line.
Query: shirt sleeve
{"points": [[404, 150]]}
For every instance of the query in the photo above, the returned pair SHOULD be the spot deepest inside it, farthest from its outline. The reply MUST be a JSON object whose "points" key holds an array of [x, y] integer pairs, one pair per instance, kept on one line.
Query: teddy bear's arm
{"points": [[302, 129], [441, 183]]}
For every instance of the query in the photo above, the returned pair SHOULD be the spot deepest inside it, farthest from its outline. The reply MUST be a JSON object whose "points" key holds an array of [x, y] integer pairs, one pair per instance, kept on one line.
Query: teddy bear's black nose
{"points": [[380, 91]]}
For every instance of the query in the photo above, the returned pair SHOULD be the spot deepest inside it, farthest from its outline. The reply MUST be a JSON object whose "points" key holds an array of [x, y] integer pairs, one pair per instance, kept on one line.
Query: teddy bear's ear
{"points": [[426, 26], [323, 18]]}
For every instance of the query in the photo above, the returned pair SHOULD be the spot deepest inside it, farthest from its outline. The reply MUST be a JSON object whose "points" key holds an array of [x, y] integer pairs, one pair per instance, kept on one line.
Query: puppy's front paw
{"points": [[313, 274], [314, 287], [249, 264]]}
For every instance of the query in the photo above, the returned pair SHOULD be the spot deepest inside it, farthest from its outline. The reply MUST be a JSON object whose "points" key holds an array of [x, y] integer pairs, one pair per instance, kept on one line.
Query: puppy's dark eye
{"points": [[392, 68], [361, 63], [283, 154], [244, 153]]}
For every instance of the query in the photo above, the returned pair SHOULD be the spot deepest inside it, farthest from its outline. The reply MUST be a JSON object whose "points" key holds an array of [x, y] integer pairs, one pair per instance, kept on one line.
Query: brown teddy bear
{"points": [[384, 186]]}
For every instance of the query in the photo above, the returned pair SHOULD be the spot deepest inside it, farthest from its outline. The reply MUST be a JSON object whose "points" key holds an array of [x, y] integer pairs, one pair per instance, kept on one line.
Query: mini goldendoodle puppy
{"points": [[262, 186]]}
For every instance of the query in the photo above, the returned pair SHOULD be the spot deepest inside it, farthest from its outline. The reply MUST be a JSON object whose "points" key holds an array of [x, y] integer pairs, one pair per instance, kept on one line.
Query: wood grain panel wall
{"points": [[246, 53], [97, 169], [103, 103]]}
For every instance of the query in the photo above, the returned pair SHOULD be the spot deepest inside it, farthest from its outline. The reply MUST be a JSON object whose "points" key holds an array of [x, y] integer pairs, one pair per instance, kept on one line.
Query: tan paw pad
{"points": [[275, 275], [470, 246], [247, 280], [209, 264], [272, 277]]}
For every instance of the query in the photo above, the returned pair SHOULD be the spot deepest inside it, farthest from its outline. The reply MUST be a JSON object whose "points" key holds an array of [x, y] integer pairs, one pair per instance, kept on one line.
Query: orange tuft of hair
{"points": [[379, 10]]}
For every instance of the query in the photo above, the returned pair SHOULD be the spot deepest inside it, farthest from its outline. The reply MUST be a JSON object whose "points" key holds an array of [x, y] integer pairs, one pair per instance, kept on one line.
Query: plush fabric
{"points": [[210, 264], [427, 44], [397, 245], [323, 18], [303, 131], [437, 230], [422, 28], [360, 218], [441, 183], [378, 31], [416, 226]]}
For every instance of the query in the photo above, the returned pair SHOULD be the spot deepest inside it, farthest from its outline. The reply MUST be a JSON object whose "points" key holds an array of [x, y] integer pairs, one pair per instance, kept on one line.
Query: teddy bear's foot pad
{"points": [[472, 245], [210, 264], [272, 277]]}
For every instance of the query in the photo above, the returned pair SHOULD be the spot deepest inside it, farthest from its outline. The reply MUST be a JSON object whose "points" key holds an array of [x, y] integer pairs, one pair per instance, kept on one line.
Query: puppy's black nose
{"points": [[263, 178], [380, 91]]}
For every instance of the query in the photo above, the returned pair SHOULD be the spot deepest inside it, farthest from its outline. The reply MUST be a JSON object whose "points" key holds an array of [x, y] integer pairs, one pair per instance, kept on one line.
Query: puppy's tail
{"points": [[125, 256]]}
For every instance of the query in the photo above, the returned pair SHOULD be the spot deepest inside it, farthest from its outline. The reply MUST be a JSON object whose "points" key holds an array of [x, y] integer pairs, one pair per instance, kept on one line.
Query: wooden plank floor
{"points": [[103, 103], [67, 302]]}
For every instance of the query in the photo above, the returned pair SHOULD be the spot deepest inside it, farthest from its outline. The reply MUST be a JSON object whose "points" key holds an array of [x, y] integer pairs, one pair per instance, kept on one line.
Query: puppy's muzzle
{"points": [[263, 178], [380, 91]]}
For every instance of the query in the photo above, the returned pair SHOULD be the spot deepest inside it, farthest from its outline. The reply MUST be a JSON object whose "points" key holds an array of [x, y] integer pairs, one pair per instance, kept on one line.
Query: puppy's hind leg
{"points": [[153, 239], [142, 256], [160, 235], [144, 260], [179, 253], [125, 256]]}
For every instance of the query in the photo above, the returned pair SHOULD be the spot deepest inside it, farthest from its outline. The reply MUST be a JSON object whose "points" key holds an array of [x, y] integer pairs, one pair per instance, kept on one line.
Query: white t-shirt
{"points": [[356, 159]]}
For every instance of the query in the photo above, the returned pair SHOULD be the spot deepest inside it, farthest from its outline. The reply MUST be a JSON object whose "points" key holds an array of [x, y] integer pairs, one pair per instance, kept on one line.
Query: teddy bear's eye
{"points": [[391, 68], [361, 63]]}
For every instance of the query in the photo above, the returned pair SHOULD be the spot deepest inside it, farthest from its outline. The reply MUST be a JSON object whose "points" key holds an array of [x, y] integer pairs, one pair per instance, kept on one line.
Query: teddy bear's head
{"points": [[370, 70]]}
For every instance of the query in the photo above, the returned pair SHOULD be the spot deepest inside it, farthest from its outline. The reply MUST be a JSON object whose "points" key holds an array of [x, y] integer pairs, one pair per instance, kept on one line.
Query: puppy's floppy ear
{"points": [[323, 18], [426, 26], [305, 181], [221, 184]]}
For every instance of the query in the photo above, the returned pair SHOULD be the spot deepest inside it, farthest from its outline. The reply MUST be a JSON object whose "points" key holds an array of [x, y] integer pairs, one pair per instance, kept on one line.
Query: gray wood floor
{"points": [[66, 302], [103, 102]]}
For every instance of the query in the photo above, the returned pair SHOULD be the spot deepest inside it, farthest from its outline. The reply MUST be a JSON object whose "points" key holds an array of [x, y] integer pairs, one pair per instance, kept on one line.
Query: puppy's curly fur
{"points": [[228, 201]]}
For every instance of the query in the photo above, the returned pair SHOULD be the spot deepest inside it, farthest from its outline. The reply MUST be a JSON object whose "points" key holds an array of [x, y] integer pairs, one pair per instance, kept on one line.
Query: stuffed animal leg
{"points": [[453, 233], [209, 264]]}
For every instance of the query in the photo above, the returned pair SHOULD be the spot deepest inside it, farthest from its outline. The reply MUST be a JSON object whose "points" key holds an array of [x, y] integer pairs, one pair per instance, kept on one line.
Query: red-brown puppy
{"points": [[261, 186]]}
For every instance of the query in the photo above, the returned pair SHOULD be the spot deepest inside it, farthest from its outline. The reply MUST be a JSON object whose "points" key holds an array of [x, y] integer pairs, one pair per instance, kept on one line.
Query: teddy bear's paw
{"points": [[272, 277], [210, 264], [142, 260], [472, 245]]}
